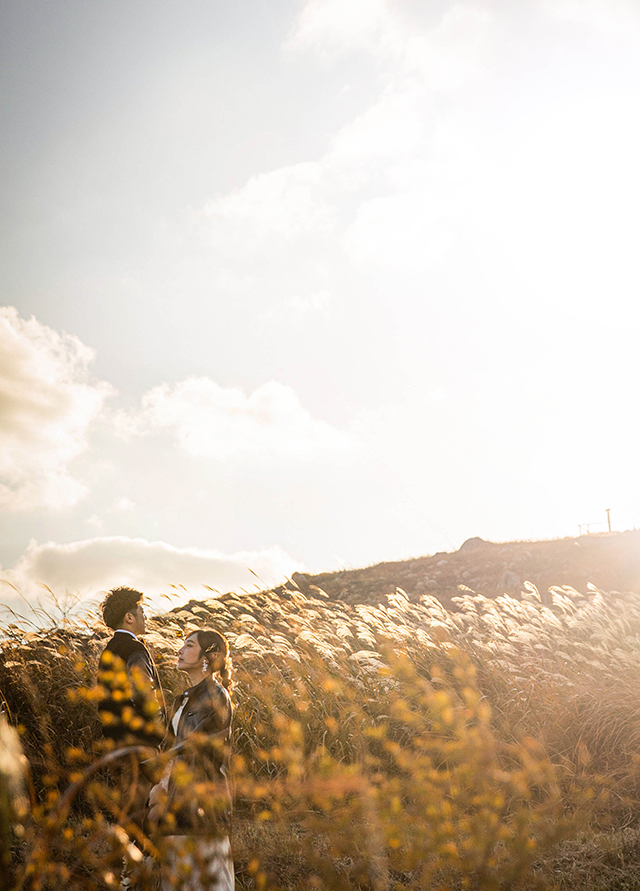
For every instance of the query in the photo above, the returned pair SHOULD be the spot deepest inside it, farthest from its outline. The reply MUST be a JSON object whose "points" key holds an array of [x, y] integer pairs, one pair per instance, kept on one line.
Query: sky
{"points": [[311, 284]]}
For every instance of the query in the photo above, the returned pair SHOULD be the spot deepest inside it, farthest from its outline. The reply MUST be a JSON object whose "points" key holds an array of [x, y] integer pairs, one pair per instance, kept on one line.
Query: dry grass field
{"points": [[395, 744]]}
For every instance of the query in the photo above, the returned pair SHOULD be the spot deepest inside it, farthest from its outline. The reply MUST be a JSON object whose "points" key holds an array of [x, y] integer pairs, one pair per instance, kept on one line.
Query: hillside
{"points": [[609, 561], [348, 693]]}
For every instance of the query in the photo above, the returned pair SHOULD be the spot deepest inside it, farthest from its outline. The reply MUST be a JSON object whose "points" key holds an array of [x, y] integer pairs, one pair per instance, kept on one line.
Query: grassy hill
{"points": [[384, 738], [608, 561]]}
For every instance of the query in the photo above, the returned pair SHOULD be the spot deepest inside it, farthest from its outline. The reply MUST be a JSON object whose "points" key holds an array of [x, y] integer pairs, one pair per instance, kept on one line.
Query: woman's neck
{"points": [[195, 676]]}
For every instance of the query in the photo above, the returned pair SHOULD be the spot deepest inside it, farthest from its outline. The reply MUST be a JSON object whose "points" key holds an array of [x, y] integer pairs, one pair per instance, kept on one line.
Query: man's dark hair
{"points": [[117, 604]]}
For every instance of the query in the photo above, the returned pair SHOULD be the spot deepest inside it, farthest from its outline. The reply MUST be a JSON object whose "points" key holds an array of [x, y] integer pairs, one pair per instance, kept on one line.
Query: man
{"points": [[132, 713], [132, 709]]}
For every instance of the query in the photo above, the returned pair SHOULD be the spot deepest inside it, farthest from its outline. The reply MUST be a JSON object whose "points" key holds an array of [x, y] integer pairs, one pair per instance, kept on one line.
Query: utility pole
{"points": [[608, 518]]}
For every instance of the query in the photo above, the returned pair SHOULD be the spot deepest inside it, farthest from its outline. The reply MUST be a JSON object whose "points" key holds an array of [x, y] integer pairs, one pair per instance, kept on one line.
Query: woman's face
{"points": [[190, 654]]}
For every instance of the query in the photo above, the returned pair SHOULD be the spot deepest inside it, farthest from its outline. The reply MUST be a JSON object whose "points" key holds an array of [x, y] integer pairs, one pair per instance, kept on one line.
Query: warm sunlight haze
{"points": [[312, 284]]}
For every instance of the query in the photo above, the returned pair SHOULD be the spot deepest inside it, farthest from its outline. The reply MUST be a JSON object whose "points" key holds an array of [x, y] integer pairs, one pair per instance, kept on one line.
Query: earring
{"points": [[205, 666]]}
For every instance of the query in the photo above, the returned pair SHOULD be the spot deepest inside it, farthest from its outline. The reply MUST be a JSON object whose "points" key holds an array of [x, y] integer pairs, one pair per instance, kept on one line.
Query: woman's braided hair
{"points": [[212, 643]]}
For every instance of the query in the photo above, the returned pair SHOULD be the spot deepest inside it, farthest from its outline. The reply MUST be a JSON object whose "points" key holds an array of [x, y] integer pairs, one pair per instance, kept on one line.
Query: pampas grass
{"points": [[397, 745]]}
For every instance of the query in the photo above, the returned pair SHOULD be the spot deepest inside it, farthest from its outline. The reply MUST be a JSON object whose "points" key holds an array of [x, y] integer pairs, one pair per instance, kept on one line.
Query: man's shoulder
{"points": [[125, 646]]}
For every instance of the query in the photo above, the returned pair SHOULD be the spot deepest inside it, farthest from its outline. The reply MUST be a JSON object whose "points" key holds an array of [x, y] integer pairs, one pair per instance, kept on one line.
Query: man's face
{"points": [[137, 623]]}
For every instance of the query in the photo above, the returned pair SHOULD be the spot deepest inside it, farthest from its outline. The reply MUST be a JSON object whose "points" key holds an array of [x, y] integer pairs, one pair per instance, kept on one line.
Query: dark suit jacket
{"points": [[132, 707]]}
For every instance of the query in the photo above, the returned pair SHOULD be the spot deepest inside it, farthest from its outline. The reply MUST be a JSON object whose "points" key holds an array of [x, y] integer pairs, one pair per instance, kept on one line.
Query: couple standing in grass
{"points": [[172, 770]]}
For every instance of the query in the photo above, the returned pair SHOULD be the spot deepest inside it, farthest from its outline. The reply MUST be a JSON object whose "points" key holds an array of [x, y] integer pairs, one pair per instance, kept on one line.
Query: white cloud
{"points": [[94, 565], [541, 194], [616, 18], [388, 173], [281, 203], [332, 25], [217, 422], [447, 52], [122, 505], [399, 232], [47, 403], [450, 56], [391, 130], [274, 237], [311, 303]]}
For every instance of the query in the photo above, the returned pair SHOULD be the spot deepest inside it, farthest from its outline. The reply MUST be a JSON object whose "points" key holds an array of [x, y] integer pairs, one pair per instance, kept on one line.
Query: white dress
{"points": [[192, 863]]}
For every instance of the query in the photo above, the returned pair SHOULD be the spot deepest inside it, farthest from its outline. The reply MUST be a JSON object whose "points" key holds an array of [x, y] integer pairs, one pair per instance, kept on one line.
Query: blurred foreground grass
{"points": [[391, 746]]}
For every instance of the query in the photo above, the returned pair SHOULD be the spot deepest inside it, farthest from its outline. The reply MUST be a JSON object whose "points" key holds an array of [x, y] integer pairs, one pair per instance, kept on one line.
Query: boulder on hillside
{"points": [[509, 581], [472, 543]]}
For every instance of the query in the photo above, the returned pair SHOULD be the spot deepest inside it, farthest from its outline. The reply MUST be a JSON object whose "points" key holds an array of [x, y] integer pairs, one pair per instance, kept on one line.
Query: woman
{"points": [[191, 804]]}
